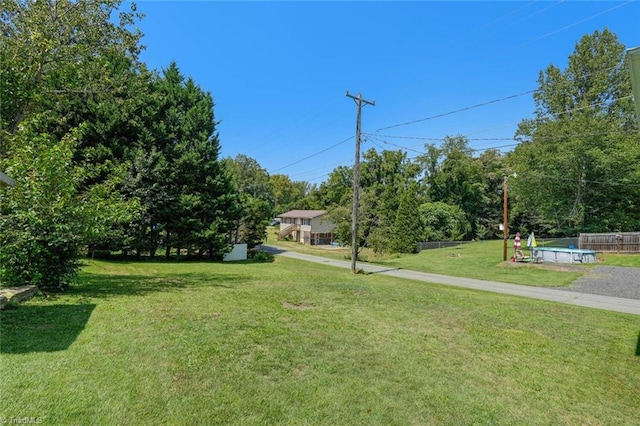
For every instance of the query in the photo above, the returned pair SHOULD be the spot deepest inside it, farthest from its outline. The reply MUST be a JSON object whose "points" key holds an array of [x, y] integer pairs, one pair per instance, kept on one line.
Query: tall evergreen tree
{"points": [[408, 229], [199, 204], [384, 176]]}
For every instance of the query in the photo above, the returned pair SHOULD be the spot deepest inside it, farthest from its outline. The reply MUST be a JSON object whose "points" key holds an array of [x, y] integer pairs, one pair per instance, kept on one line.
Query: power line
{"points": [[517, 95], [515, 22], [495, 147], [458, 110], [373, 139], [488, 129], [581, 21], [496, 101], [517, 122], [492, 102], [312, 155], [307, 172], [294, 124], [432, 138], [316, 177], [498, 139], [478, 149], [568, 26], [537, 174], [473, 106], [538, 12], [321, 173], [566, 179], [420, 153], [377, 144], [454, 112], [482, 27]]}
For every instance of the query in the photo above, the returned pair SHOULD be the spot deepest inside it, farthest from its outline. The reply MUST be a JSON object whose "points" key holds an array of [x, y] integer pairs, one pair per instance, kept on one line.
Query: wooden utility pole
{"points": [[505, 188], [356, 182]]}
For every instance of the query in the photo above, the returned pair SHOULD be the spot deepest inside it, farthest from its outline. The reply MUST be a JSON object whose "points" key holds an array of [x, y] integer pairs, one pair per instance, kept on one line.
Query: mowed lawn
{"points": [[480, 260], [291, 342]]}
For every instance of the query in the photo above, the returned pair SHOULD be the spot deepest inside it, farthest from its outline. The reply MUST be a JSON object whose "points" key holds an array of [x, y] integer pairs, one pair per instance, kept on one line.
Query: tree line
{"points": [[576, 168], [108, 155]]}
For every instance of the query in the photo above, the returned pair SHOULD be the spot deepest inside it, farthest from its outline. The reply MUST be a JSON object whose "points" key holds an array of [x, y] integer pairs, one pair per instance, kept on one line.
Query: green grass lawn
{"points": [[480, 260], [483, 260], [292, 342], [613, 259]]}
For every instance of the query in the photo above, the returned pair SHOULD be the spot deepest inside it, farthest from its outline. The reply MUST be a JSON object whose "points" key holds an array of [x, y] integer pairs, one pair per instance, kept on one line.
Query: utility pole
{"points": [[356, 181], [505, 189]]}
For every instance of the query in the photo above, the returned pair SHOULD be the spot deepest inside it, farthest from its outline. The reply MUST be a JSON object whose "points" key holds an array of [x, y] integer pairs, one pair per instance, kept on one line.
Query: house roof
{"points": [[303, 214]]}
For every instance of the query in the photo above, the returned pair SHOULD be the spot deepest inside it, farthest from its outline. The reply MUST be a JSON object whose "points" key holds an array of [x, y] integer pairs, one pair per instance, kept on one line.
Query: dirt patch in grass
{"points": [[296, 306]]}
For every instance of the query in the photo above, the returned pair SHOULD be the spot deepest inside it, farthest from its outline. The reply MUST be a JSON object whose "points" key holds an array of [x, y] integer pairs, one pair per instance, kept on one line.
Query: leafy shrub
{"points": [[262, 256], [41, 218]]}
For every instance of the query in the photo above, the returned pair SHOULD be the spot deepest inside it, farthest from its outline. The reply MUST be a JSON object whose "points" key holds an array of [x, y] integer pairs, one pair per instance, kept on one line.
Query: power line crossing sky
{"points": [[278, 71]]}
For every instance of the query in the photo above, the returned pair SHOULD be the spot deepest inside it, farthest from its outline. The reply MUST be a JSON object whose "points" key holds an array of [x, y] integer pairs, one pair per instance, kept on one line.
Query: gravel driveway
{"points": [[615, 281]]}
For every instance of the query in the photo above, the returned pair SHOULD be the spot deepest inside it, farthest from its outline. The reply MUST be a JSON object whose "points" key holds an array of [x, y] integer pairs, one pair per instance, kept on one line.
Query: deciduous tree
{"points": [[577, 165], [42, 221]]}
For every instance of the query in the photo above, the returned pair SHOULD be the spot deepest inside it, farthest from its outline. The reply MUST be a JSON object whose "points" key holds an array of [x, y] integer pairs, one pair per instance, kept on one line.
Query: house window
{"points": [[306, 221]]}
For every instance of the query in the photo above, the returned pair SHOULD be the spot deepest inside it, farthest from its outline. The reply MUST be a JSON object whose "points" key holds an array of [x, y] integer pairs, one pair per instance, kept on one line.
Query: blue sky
{"points": [[278, 71]]}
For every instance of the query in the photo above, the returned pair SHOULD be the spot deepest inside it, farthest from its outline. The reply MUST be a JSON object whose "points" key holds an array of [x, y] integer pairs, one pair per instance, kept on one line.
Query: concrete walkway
{"points": [[616, 304]]}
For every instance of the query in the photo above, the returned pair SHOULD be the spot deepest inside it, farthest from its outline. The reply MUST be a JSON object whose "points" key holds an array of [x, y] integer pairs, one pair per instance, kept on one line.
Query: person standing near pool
{"points": [[532, 244], [517, 246]]}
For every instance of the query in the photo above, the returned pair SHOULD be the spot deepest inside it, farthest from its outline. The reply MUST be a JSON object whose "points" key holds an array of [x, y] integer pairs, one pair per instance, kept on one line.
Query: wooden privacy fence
{"points": [[618, 242]]}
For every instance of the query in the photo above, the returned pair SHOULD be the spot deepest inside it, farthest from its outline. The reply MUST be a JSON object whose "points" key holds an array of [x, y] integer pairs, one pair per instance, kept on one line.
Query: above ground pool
{"points": [[564, 255]]}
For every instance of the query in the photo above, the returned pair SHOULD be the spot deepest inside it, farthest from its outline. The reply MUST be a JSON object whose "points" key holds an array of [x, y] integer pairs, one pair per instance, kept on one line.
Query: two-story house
{"points": [[307, 226]]}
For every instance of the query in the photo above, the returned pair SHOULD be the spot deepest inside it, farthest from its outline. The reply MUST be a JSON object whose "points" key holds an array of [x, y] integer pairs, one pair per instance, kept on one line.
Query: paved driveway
{"points": [[569, 296]]}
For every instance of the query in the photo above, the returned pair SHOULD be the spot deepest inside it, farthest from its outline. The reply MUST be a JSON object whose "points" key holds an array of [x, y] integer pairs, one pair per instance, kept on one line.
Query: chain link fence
{"points": [[573, 242], [439, 244]]}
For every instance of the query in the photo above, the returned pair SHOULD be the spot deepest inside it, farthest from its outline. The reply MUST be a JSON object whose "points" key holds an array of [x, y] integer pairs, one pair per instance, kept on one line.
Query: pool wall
{"points": [[564, 255]]}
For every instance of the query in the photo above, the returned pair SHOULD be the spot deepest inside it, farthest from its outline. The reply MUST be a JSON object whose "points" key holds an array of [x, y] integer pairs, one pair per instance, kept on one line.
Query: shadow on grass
{"points": [[382, 271], [174, 260], [42, 328], [103, 286], [638, 346], [272, 249]]}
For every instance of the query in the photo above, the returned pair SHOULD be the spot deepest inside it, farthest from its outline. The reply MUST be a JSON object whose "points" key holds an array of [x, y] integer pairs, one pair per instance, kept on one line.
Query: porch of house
{"points": [[304, 236]]}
